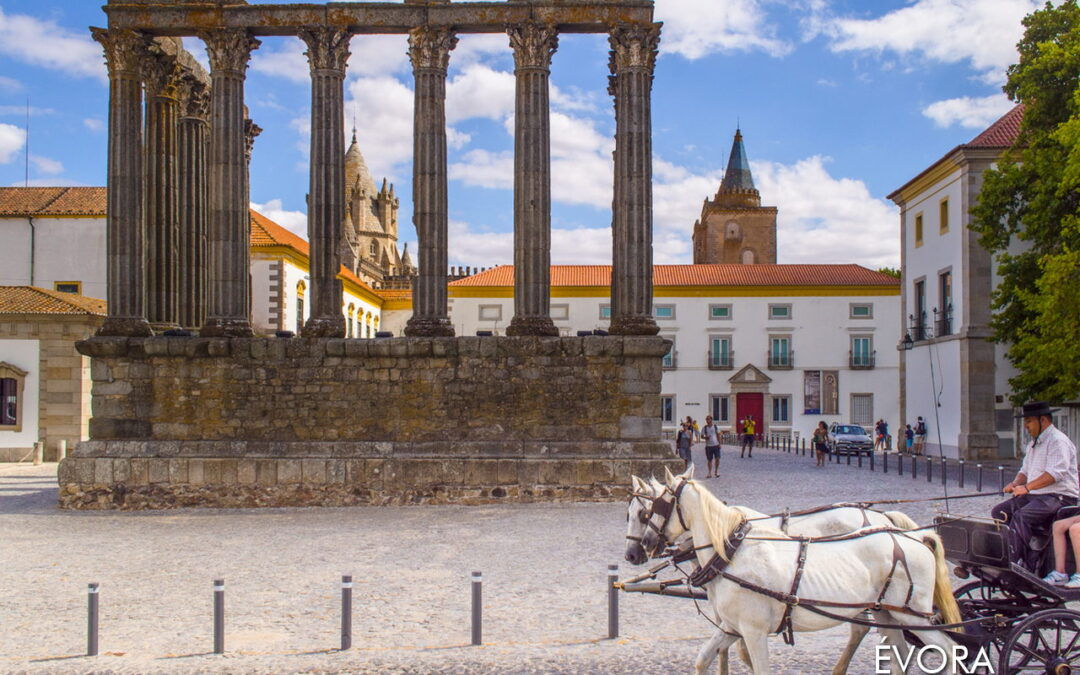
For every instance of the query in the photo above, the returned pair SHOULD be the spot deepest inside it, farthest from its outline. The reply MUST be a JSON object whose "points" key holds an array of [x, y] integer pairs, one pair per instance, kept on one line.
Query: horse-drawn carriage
{"points": [[1005, 620]]}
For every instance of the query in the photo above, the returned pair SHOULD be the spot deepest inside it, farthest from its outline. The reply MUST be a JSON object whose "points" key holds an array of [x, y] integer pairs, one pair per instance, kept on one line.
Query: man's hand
{"points": [[1009, 488], [1020, 490]]}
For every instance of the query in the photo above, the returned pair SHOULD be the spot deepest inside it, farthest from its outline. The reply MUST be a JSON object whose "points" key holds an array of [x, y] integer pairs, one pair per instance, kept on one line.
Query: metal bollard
{"points": [[92, 620], [1001, 478], [849, 458], [860, 460], [944, 470], [929, 469], [961, 473], [914, 467], [477, 608], [885, 462], [346, 611], [978, 478], [872, 461], [900, 465], [612, 602], [219, 616]]}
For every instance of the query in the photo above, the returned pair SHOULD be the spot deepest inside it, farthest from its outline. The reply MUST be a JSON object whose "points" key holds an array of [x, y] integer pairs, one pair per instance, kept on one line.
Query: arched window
{"points": [[374, 249], [301, 288], [350, 325], [748, 257], [732, 231]]}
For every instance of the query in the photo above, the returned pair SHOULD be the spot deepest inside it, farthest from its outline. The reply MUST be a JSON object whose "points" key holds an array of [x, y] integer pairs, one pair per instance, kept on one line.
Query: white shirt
{"points": [[1053, 453], [709, 432]]}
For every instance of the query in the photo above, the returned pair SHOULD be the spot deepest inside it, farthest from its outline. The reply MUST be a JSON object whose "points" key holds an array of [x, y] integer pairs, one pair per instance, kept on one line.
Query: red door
{"points": [[750, 404]]}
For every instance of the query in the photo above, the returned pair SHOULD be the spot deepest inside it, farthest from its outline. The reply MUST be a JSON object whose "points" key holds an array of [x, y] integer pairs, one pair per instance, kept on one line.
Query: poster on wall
{"points": [[812, 392]]}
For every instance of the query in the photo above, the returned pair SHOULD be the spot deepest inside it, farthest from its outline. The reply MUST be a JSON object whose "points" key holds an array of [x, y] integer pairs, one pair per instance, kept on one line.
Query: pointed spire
{"points": [[737, 176]]}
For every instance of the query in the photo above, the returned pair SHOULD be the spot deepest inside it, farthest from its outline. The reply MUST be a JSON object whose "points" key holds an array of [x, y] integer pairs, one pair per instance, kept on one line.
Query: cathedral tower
{"points": [[370, 232], [734, 227]]}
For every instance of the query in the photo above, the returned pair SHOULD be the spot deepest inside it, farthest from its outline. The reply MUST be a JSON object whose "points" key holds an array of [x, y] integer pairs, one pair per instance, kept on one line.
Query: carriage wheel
{"points": [[1045, 642]]}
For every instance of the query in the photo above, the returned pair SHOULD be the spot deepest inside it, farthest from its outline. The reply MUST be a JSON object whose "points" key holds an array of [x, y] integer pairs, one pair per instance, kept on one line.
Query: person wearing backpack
{"points": [[711, 435], [920, 436]]}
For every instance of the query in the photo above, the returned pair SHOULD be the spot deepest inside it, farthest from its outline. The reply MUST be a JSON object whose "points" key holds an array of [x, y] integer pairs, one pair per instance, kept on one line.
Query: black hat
{"points": [[1037, 409]]}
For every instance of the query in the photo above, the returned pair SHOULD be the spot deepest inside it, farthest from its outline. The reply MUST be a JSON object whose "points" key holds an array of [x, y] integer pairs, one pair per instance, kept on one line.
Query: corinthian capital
{"points": [[430, 47], [634, 46], [161, 72], [229, 49], [327, 48], [251, 130], [533, 44], [194, 97], [124, 49]]}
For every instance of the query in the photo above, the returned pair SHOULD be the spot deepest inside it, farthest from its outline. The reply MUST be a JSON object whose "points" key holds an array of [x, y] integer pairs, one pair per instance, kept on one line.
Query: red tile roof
{"points": [[1003, 133], [700, 275], [34, 300], [52, 201]]}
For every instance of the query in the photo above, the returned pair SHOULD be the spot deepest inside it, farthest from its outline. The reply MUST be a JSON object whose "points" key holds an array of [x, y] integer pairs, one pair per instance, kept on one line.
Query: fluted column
{"points": [[633, 56], [124, 226], [228, 292], [193, 196], [328, 52], [533, 47], [161, 78], [429, 51]]}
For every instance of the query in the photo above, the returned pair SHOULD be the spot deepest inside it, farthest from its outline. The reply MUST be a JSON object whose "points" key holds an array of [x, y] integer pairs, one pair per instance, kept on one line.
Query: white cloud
{"points": [[482, 168], [479, 91], [287, 60], [12, 139], [824, 219], [697, 28], [47, 44], [293, 221], [9, 84], [383, 110], [974, 113], [982, 32], [49, 167], [93, 124], [48, 182], [370, 55], [20, 110], [569, 246]]}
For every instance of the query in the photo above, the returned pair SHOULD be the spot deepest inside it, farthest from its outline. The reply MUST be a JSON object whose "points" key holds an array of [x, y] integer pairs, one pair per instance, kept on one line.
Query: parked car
{"points": [[850, 439]]}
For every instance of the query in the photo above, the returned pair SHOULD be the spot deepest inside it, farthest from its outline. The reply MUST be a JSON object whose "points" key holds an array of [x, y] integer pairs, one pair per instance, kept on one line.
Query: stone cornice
{"points": [[327, 48], [429, 48], [533, 45]]}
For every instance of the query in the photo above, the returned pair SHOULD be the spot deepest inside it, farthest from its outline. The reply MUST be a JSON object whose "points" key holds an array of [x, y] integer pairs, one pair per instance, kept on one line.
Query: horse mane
{"points": [[720, 520]]}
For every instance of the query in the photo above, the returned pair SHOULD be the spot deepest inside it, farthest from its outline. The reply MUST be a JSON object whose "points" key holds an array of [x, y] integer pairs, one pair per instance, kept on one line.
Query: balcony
{"points": [[918, 328], [722, 360], [943, 322], [862, 361], [781, 360], [671, 360]]}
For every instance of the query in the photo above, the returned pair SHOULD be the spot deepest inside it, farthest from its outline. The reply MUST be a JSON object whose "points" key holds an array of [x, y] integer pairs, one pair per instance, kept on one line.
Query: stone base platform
{"points": [[327, 422]]}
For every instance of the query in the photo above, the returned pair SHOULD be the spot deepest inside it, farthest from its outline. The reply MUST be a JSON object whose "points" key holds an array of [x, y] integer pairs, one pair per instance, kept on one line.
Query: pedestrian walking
{"points": [[683, 442], [909, 438], [879, 434], [748, 429], [821, 442], [920, 436], [711, 435]]}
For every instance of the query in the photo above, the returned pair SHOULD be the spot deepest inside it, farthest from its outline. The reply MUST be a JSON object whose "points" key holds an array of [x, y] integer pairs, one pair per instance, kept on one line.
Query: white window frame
{"points": [[851, 403], [673, 416], [858, 317], [715, 409], [776, 400], [778, 305], [713, 356], [560, 312], [605, 312], [713, 317], [674, 361], [497, 311]]}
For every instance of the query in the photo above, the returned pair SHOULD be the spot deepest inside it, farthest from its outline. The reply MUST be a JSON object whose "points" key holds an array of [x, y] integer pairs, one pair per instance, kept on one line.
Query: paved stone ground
{"points": [[544, 568]]}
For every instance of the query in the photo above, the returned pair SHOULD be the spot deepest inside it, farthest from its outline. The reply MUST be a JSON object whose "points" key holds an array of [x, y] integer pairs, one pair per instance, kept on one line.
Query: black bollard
{"points": [[872, 453], [914, 467], [346, 611], [978, 478], [944, 470], [219, 616], [929, 469], [92, 620], [900, 465], [612, 602], [849, 458], [961, 473], [477, 607], [1001, 478], [885, 462]]}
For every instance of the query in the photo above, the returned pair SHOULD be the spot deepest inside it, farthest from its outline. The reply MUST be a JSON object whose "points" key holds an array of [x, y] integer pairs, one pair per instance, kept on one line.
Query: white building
{"points": [[789, 344], [55, 239]]}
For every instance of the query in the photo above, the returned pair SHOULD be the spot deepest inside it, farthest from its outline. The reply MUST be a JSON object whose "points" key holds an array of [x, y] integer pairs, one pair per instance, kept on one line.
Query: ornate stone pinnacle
{"points": [[124, 49], [429, 48], [229, 49], [533, 44], [328, 48], [633, 46]]}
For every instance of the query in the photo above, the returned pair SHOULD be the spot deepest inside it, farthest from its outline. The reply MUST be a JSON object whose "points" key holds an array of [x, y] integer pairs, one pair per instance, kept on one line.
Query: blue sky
{"points": [[840, 102]]}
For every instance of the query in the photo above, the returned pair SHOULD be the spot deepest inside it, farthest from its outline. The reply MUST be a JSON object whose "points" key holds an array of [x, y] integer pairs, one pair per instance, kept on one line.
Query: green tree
{"points": [[891, 271], [1028, 212]]}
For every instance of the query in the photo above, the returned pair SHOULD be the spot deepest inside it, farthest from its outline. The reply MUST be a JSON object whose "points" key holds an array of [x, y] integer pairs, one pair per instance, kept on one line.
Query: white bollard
{"points": [[61, 450], [39, 450]]}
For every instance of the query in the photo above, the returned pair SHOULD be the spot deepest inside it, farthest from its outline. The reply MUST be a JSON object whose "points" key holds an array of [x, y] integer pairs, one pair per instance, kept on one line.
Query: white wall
{"points": [[65, 249], [25, 355], [944, 384], [263, 309]]}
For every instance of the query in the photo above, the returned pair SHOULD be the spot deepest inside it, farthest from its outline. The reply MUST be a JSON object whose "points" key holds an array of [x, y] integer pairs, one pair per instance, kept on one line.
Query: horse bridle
{"points": [[663, 507]]}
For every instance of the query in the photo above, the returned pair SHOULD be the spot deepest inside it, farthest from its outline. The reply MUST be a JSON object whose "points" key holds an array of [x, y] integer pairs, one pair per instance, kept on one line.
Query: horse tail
{"points": [[901, 520], [943, 595]]}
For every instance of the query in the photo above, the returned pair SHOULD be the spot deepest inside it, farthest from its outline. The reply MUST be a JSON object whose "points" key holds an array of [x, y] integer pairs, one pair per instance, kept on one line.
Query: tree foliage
{"points": [[1028, 212], [891, 271]]}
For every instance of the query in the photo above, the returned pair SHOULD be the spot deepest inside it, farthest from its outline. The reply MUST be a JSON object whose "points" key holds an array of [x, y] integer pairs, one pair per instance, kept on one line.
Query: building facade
{"points": [[789, 344], [953, 375]]}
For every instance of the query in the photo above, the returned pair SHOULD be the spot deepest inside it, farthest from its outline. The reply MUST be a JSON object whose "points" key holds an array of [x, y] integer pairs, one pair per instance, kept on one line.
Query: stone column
{"points": [[161, 77], [328, 52], [194, 139], [228, 292], [533, 47], [125, 229], [429, 51], [633, 56]]}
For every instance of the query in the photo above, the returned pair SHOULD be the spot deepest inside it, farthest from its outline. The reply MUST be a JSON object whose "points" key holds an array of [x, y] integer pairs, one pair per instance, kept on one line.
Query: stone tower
{"points": [[734, 226], [369, 244]]}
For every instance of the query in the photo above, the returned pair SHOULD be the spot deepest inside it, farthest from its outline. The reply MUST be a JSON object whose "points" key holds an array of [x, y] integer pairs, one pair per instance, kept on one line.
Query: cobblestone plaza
{"points": [[544, 568]]}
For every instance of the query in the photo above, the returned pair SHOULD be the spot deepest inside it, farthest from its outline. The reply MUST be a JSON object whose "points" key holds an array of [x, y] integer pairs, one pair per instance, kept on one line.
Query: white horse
{"points": [[833, 521], [896, 576]]}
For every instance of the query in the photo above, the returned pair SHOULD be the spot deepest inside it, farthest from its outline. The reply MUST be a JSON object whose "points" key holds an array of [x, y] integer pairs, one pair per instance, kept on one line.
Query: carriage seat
{"points": [[1042, 540]]}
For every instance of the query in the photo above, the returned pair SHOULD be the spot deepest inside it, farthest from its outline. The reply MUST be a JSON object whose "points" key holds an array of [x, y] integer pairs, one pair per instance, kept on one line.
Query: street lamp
{"points": [[907, 343]]}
